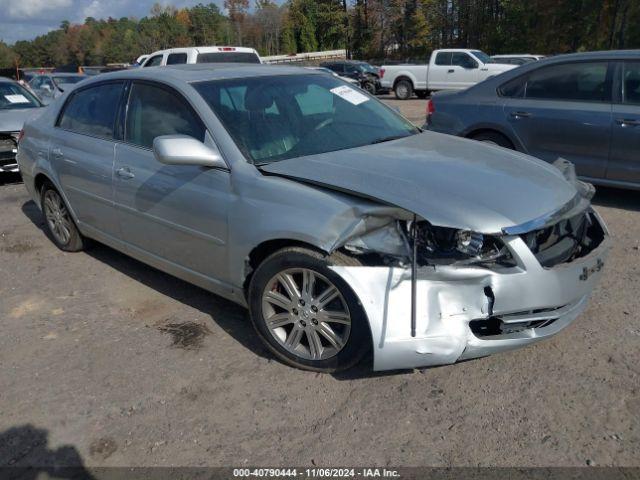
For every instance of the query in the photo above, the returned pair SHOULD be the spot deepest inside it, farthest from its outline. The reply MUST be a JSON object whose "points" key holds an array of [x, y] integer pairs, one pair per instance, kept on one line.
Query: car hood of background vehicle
{"points": [[449, 181], [500, 67], [12, 120]]}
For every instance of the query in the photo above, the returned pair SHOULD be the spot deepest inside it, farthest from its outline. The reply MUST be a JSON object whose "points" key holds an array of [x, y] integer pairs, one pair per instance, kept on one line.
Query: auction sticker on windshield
{"points": [[17, 98], [350, 95]]}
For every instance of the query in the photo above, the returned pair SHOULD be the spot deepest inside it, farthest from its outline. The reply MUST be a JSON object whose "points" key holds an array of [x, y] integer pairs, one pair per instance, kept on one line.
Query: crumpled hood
{"points": [[12, 120], [449, 181]]}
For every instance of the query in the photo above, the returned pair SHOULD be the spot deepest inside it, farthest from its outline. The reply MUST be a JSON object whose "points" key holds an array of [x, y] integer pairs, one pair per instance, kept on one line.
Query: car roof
{"points": [[599, 55], [7, 80], [204, 71], [489, 86], [207, 49]]}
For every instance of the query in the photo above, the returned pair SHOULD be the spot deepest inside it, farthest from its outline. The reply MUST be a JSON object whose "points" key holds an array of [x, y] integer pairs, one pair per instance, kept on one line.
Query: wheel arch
{"points": [[263, 250], [478, 129], [404, 76]]}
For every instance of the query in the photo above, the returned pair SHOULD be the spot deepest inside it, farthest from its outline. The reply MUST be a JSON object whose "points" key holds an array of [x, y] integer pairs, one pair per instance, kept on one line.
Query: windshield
{"points": [[483, 57], [13, 96], [67, 80], [366, 68], [286, 116]]}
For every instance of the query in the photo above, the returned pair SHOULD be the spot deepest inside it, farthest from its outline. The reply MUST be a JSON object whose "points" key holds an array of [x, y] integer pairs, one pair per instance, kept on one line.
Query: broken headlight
{"points": [[445, 246]]}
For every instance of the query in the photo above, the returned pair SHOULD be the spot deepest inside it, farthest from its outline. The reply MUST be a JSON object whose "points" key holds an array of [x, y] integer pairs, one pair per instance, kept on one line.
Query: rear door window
{"points": [[177, 58], [582, 81], [154, 111], [443, 58], [92, 111], [631, 83]]}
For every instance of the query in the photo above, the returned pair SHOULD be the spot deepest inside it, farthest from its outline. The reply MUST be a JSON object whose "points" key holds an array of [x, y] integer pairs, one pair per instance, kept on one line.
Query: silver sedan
{"points": [[342, 227]]}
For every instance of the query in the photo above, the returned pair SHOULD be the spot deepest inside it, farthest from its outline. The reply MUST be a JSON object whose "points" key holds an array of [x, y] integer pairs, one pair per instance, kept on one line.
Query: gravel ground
{"points": [[108, 362]]}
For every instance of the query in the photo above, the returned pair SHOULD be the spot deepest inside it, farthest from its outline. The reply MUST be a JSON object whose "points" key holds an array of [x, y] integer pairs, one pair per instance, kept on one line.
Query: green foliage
{"points": [[369, 28]]}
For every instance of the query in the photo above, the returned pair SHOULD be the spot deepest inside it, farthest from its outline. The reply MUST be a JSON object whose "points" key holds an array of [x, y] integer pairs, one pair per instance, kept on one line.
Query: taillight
{"points": [[382, 73], [431, 109], [20, 135]]}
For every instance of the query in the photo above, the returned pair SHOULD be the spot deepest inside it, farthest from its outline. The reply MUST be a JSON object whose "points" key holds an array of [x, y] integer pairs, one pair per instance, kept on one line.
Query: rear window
{"points": [[631, 86], [92, 111], [443, 58], [583, 81], [228, 57], [177, 59]]}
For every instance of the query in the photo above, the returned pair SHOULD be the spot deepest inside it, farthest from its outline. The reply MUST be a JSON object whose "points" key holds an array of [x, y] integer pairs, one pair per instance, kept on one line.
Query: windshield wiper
{"points": [[388, 139]]}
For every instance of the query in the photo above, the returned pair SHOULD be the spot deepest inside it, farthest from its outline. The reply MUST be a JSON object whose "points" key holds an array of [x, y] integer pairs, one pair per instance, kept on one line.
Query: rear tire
{"points": [[300, 318], [494, 138], [403, 90], [60, 225]]}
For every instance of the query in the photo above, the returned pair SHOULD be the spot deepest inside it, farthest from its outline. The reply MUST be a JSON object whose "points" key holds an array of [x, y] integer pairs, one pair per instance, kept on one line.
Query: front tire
{"points": [[403, 90], [305, 313], [58, 220]]}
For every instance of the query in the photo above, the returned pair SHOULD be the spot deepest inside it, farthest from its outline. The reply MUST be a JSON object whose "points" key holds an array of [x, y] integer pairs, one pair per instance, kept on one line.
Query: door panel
{"points": [[82, 151], [577, 131], [624, 163], [564, 110], [85, 168], [175, 212]]}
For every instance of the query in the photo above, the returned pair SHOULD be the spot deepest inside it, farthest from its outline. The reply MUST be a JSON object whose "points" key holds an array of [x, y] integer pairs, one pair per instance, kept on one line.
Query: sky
{"points": [[26, 19]]}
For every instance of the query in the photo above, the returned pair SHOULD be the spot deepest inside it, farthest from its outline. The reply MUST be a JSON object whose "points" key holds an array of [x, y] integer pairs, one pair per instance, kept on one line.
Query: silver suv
{"points": [[341, 226]]}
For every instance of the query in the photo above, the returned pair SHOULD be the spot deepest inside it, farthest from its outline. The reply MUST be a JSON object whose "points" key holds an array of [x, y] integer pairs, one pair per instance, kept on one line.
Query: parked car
{"points": [[516, 59], [16, 105], [50, 86], [584, 107], [367, 76], [343, 227], [450, 69], [352, 81], [188, 55]]}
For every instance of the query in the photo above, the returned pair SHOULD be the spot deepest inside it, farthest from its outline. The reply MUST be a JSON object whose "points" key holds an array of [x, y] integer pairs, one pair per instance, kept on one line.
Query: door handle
{"points": [[451, 70], [520, 114], [125, 173], [627, 122]]}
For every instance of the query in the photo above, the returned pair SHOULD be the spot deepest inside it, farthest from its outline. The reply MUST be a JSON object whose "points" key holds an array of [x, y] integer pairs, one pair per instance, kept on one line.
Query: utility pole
{"points": [[347, 39]]}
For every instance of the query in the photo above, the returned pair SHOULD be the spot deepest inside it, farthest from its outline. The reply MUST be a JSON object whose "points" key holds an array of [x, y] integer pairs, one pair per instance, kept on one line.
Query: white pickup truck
{"points": [[448, 69]]}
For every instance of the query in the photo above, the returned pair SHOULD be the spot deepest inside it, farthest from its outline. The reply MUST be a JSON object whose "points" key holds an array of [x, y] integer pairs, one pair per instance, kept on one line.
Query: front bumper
{"points": [[466, 312], [8, 152]]}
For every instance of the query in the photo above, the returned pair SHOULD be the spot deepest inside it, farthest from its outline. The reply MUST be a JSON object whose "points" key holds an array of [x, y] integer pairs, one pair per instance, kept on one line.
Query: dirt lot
{"points": [[106, 361]]}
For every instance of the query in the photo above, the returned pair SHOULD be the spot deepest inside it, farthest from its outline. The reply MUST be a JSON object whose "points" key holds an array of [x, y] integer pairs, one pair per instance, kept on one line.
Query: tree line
{"points": [[368, 29]]}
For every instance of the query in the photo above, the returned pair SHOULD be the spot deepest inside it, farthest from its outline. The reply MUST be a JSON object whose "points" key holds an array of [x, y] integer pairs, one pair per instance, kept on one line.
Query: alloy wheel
{"points": [[57, 216], [306, 314]]}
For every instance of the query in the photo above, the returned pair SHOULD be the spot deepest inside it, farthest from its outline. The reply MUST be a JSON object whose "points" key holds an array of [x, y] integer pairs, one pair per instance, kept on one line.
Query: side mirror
{"points": [[470, 64], [185, 150]]}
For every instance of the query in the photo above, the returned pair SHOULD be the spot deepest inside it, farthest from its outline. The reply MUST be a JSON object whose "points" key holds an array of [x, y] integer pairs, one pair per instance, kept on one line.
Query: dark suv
{"points": [[367, 75]]}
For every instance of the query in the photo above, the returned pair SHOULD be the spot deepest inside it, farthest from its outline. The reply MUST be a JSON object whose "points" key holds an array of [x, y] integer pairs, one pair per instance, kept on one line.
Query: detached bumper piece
{"points": [[8, 151], [464, 312]]}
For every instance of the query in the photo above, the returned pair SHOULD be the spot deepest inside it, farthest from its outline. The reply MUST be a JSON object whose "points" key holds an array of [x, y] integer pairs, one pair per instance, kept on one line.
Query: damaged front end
{"points": [[435, 295]]}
